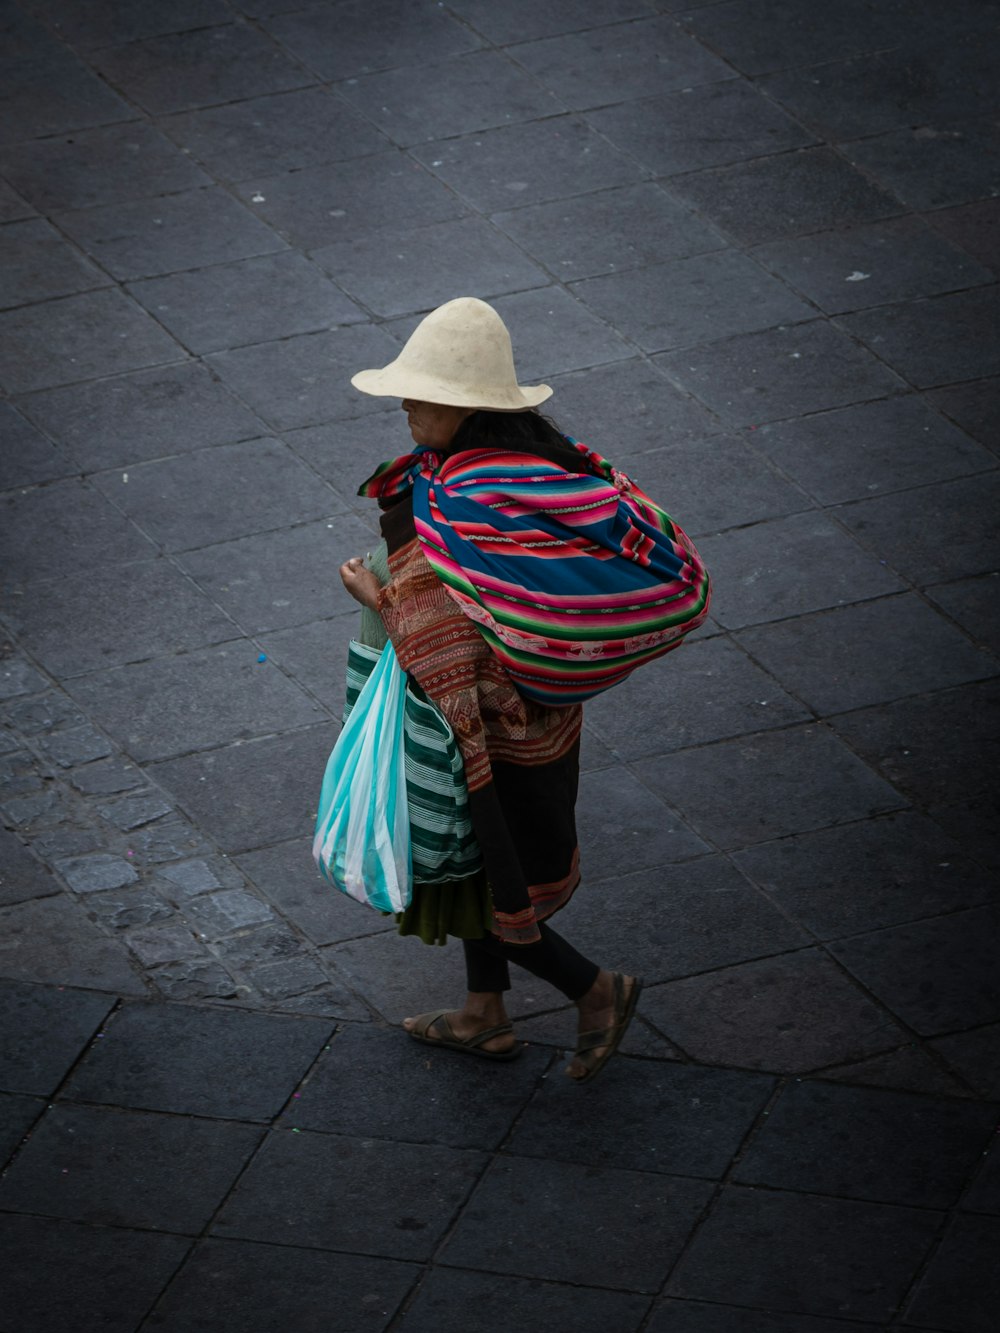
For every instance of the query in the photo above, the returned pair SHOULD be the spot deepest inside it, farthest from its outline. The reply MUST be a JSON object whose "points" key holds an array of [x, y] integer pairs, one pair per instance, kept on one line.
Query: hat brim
{"points": [[396, 381]]}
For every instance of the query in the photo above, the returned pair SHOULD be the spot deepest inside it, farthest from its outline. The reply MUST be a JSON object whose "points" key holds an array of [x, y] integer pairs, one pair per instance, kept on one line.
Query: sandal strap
{"points": [[589, 1041], [488, 1034]]}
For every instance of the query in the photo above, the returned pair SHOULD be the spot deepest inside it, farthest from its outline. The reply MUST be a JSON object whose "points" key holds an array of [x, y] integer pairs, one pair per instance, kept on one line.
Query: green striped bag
{"points": [[443, 844]]}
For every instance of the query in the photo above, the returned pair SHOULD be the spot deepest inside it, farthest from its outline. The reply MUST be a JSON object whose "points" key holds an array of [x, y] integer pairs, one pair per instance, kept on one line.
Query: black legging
{"points": [[551, 958]]}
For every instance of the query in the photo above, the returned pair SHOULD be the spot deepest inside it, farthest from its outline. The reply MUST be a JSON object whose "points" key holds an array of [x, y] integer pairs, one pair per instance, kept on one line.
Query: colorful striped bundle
{"points": [[574, 578]]}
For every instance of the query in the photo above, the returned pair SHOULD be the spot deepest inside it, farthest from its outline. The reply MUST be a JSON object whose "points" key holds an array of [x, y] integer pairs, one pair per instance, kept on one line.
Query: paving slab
{"points": [[21, 875], [74, 624], [973, 604], [345, 43], [889, 526], [862, 96], [937, 753], [517, 165], [705, 692], [77, 338], [621, 823], [223, 1064], [909, 1069], [319, 205], [787, 194], [650, 413], [144, 237], [345, 452], [228, 1286], [401, 976], [793, 1013], [282, 132], [780, 373], [194, 701], [304, 380], [959, 1289], [47, 1028], [17, 1115], [36, 262], [252, 795], [437, 100], [12, 206], [508, 1304], [108, 1277], [363, 1195], [935, 341], [975, 407], [287, 877], [692, 301], [113, 1168], [757, 570], [983, 1195], [874, 265], [520, 19], [615, 64], [974, 1055], [29, 457], [676, 1316], [315, 656], [111, 24], [708, 485], [647, 1116], [869, 653], [107, 165], [273, 580], [749, 790], [393, 272], [975, 227], [370, 1073], [901, 867], [608, 231], [52, 940], [938, 975], [697, 127], [645, 1218], [56, 93], [853, 453], [254, 300], [149, 414], [676, 920], [176, 500], [760, 35], [854, 1143], [201, 67], [856, 1258]]}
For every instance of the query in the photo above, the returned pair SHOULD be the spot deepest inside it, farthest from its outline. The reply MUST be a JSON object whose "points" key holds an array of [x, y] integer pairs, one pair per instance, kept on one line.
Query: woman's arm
{"points": [[360, 582]]}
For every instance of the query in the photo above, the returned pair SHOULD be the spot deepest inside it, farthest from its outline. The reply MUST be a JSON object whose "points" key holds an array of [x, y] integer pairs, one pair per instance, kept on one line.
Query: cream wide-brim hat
{"points": [[459, 355]]}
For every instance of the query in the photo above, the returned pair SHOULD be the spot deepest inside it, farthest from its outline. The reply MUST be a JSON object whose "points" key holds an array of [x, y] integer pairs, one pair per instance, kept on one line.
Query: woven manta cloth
{"points": [[574, 578]]}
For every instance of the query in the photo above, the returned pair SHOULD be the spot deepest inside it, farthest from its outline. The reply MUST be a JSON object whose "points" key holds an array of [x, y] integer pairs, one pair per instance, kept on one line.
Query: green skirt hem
{"points": [[460, 908]]}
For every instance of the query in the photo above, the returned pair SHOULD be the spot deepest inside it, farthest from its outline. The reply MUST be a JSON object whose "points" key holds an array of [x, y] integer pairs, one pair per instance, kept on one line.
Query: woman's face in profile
{"points": [[433, 425]]}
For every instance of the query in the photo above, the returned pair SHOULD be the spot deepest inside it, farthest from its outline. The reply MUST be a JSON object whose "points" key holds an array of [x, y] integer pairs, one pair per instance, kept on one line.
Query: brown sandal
{"points": [[424, 1023], [587, 1043]]}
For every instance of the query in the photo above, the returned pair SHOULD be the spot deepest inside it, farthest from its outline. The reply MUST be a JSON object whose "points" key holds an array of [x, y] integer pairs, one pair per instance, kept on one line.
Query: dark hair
{"points": [[523, 431]]}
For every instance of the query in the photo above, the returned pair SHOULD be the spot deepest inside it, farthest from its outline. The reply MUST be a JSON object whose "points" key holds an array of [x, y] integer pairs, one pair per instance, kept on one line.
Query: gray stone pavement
{"points": [[754, 247]]}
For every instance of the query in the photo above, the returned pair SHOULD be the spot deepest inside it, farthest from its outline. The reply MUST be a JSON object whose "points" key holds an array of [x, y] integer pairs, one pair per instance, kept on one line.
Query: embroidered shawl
{"points": [[574, 578]]}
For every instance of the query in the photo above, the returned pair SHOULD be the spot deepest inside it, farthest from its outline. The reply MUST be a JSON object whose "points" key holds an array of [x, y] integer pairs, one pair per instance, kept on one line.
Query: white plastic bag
{"points": [[362, 841]]}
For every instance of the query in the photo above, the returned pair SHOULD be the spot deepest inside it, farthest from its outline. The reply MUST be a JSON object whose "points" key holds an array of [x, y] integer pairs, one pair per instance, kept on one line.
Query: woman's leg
{"points": [[591, 988], [487, 978]]}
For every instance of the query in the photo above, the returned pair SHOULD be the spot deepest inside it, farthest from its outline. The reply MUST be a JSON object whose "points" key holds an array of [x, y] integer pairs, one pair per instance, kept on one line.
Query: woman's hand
{"points": [[361, 583]]}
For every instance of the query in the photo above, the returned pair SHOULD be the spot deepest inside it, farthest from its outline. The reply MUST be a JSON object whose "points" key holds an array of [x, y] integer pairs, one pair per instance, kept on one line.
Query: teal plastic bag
{"points": [[362, 839]]}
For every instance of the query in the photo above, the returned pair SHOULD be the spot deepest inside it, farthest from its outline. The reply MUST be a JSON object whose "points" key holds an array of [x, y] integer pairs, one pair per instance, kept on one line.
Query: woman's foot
{"points": [[605, 1013], [462, 1027]]}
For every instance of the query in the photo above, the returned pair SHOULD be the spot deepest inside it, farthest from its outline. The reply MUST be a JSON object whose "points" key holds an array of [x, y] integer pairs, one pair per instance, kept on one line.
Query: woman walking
{"points": [[441, 591]]}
